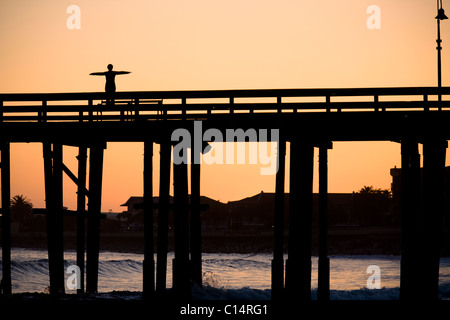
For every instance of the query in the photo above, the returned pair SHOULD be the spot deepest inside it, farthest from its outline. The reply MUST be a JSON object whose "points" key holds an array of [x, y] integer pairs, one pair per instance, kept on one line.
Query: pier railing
{"points": [[157, 105]]}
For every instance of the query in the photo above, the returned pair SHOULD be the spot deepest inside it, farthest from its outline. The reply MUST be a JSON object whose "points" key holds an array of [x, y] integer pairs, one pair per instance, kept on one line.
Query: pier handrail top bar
{"points": [[235, 93]]}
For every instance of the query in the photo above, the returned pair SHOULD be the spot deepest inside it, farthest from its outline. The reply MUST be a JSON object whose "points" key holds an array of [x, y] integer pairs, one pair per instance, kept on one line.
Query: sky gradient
{"points": [[215, 44]]}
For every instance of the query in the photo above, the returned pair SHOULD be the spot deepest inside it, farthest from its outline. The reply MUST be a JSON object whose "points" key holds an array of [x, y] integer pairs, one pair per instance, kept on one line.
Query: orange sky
{"points": [[212, 44]]}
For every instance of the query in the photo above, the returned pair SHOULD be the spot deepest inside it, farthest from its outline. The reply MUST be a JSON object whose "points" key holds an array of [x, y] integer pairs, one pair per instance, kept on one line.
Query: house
{"points": [[130, 219], [256, 213], [213, 218], [130, 203]]}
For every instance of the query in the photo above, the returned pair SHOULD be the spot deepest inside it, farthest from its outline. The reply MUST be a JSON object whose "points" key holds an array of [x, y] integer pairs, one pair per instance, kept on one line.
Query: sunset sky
{"points": [[215, 44]]}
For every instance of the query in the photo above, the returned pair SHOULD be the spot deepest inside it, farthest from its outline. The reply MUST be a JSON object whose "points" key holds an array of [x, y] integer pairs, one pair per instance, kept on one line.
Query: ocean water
{"points": [[226, 276]]}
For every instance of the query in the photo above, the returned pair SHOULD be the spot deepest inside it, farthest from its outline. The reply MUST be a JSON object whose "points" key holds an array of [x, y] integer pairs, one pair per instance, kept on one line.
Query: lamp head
{"points": [[441, 15]]}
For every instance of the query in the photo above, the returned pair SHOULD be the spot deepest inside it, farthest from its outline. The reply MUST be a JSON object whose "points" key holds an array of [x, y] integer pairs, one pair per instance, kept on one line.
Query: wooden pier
{"points": [[306, 119]]}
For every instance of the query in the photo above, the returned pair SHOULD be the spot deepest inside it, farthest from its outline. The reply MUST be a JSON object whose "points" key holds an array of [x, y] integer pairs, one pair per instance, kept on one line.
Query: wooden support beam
{"points": [[196, 226], [298, 265], [323, 291], [59, 218], [81, 213], [69, 174], [434, 150], [6, 285], [93, 225], [74, 178], [163, 216], [149, 261], [54, 217], [411, 224], [181, 268], [278, 232]]}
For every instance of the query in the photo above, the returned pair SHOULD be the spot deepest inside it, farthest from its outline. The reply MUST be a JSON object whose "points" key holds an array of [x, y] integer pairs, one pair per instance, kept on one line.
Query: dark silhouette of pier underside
{"points": [[307, 118]]}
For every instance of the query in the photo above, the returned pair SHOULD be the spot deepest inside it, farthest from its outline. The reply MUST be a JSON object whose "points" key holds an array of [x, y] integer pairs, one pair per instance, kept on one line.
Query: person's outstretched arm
{"points": [[97, 74], [122, 72]]}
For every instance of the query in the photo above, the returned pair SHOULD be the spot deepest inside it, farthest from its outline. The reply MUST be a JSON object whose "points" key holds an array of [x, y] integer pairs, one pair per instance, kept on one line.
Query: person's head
{"points": [[110, 67]]}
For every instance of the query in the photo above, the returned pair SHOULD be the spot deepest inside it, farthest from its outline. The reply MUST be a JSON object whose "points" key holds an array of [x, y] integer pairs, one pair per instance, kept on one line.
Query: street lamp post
{"points": [[440, 16]]}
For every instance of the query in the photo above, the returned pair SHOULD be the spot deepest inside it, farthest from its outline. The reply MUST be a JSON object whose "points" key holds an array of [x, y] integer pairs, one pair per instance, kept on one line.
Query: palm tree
{"points": [[21, 208], [372, 205], [385, 193]]}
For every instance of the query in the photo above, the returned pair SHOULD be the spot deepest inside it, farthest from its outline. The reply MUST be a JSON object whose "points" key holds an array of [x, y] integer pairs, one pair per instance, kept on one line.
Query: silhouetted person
{"points": [[110, 86]]}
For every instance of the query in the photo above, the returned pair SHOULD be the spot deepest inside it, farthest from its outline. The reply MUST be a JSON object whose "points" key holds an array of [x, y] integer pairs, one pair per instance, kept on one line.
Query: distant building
{"points": [[130, 204], [213, 218], [131, 220], [251, 214]]}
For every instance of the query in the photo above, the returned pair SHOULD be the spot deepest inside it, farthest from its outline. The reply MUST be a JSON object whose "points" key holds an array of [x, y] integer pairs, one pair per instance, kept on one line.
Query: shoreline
{"points": [[341, 242]]}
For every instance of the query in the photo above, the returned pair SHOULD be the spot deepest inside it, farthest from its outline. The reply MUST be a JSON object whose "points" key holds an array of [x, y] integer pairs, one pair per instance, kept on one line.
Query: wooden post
{"points": [[411, 224], [298, 265], [54, 216], [44, 111], [278, 231], [81, 213], [434, 150], [323, 291], [94, 209], [6, 285], [196, 224], [183, 109], [59, 216], [149, 261], [49, 204], [181, 268], [163, 216]]}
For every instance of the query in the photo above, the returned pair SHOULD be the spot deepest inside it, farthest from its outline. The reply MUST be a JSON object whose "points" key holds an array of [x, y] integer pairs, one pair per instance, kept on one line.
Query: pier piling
{"points": [[195, 223], [93, 220], [6, 285], [81, 213], [278, 231], [53, 174], [149, 261], [434, 150], [411, 219], [298, 265], [323, 290], [181, 263], [163, 216]]}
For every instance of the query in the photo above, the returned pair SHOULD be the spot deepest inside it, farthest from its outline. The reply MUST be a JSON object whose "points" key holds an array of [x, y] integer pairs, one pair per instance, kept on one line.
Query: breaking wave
{"points": [[225, 276]]}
